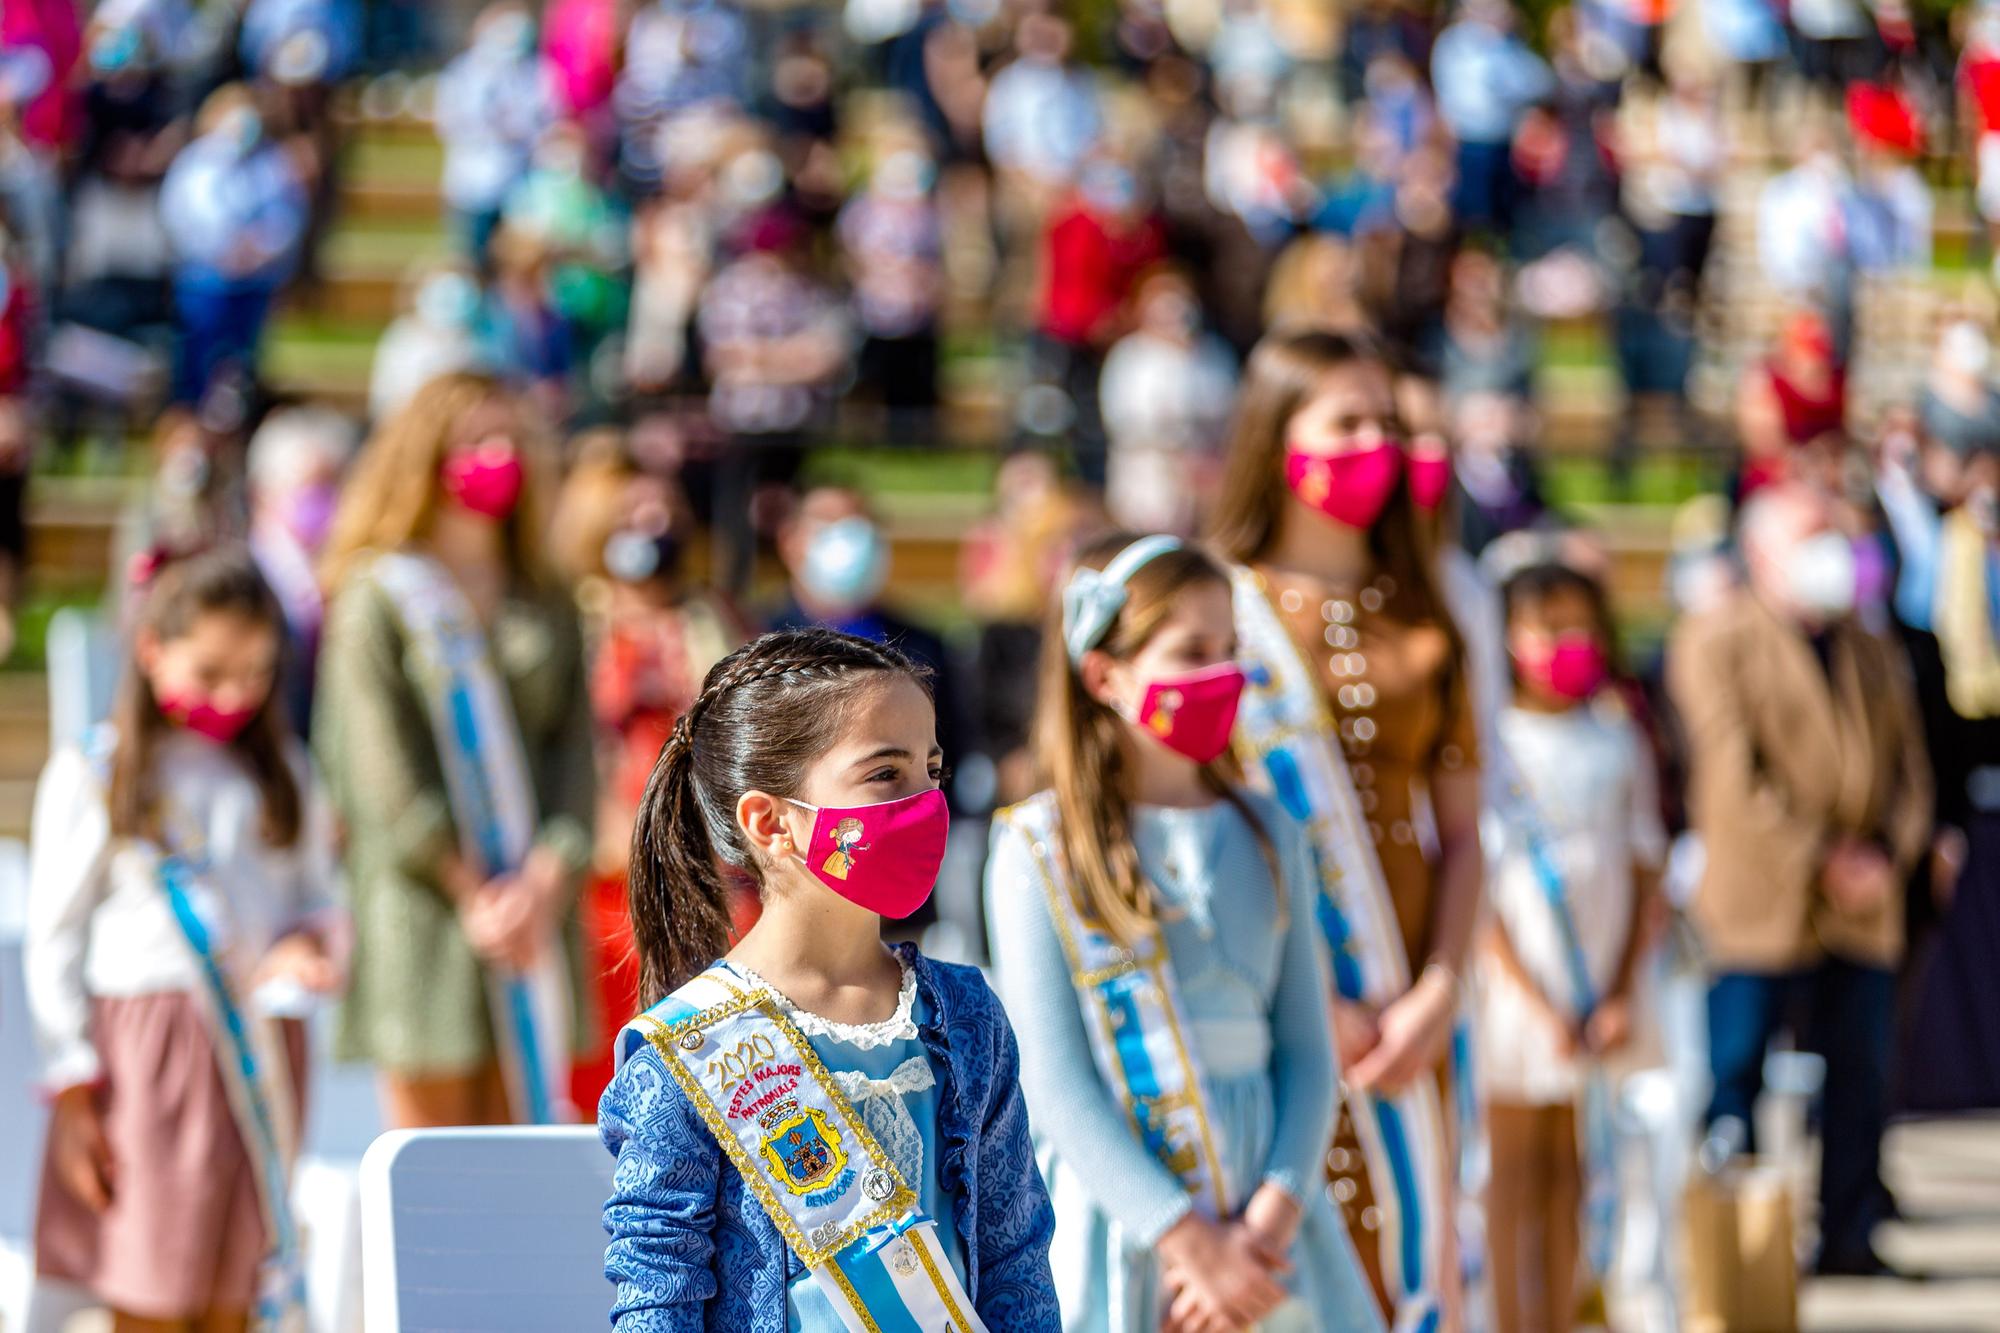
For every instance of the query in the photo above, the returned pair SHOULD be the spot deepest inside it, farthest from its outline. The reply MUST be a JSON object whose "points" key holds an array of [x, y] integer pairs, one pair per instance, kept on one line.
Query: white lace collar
{"points": [[899, 1026]]}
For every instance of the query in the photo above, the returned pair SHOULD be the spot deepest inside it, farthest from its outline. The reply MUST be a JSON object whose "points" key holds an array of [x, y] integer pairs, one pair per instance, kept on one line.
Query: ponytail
{"points": [[765, 713]]}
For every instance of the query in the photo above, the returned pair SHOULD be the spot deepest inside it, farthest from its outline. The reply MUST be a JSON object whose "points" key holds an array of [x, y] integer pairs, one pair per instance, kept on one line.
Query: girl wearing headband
{"points": [[1151, 931]]}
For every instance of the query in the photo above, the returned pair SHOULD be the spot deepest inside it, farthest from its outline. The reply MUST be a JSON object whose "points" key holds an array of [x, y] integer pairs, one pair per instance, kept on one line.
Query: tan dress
{"points": [[1399, 701]]}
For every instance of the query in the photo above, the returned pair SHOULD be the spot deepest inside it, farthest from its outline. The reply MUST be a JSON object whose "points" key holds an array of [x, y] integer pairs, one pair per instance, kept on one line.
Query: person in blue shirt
{"points": [[813, 1132], [235, 211]]}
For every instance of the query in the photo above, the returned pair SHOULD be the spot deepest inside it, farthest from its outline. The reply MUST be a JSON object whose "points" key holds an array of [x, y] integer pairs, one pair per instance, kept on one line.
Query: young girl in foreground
{"points": [[1153, 929], [815, 1132], [1578, 840], [179, 866]]}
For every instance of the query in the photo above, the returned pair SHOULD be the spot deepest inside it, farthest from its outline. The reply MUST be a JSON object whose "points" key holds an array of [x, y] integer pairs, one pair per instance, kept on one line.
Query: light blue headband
{"points": [[1094, 597]]}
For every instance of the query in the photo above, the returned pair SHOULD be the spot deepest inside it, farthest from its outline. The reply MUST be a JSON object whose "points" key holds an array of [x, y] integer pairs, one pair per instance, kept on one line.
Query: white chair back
{"points": [[493, 1229]]}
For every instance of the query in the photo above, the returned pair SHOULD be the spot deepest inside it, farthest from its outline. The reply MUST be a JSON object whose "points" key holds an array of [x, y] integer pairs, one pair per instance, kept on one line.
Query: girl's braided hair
{"points": [[765, 713]]}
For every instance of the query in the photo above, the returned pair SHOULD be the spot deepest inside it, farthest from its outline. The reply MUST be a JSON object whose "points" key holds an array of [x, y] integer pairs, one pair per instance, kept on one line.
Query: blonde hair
{"points": [[391, 496], [1081, 742]]}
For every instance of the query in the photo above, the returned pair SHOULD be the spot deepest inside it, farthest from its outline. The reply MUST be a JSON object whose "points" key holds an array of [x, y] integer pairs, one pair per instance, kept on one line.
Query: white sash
{"points": [[1594, 1120], [825, 1182], [249, 1055], [493, 806], [1286, 739], [1139, 1038]]}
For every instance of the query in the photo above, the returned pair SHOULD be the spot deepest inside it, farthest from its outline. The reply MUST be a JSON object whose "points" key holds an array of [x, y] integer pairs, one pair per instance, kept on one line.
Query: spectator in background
{"points": [[235, 211], [1094, 251], [494, 103], [42, 40], [1810, 791], [680, 55], [439, 333], [620, 539], [297, 459], [777, 342], [119, 254], [1486, 79], [1041, 116], [837, 559], [1498, 484], [893, 248], [30, 191], [1798, 395], [439, 539], [673, 251], [1008, 569], [1888, 213], [1166, 394], [1801, 226]]}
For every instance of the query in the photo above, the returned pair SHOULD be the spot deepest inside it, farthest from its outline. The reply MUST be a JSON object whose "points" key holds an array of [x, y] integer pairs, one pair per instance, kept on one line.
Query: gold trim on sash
{"points": [[1154, 964], [902, 1199]]}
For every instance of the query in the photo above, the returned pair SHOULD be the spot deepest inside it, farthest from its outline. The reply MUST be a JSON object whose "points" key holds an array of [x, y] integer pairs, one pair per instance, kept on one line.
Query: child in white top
{"points": [[1581, 825], [184, 835], [1581, 821]]}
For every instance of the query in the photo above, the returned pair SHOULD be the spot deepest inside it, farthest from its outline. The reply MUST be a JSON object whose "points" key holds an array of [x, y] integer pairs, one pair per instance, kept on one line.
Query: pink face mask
{"points": [[1193, 714], [197, 713], [1430, 478], [882, 857], [1351, 489], [1572, 668], [486, 481]]}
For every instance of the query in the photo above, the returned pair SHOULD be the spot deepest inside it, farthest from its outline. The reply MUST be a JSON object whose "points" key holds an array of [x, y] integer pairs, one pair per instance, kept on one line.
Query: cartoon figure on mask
{"points": [[846, 842], [1164, 708]]}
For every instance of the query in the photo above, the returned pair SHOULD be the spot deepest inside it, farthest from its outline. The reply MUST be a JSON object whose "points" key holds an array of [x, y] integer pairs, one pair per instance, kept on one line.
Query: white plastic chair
{"points": [[493, 1229]]}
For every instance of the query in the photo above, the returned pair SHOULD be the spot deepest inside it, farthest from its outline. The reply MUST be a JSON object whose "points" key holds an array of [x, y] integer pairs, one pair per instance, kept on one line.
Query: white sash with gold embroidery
{"points": [[1286, 738], [824, 1180], [1138, 1039]]}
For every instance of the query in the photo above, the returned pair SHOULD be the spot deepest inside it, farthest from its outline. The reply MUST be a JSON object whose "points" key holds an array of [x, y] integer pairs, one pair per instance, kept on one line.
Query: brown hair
{"points": [[1285, 370], [219, 582], [391, 495], [765, 713], [1081, 743]]}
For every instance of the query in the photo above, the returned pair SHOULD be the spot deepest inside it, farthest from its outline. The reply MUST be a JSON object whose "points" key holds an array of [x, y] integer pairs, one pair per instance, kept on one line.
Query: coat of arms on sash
{"points": [[802, 1146]]}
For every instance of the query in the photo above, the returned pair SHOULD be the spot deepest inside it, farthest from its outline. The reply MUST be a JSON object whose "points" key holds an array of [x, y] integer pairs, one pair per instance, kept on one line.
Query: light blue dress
{"points": [[1248, 964], [883, 1070]]}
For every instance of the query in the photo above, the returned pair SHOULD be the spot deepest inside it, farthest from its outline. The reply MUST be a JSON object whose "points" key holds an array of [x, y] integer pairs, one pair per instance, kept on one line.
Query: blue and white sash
{"points": [[493, 807], [1595, 1122], [250, 1059], [828, 1186], [1286, 738], [1138, 1040]]}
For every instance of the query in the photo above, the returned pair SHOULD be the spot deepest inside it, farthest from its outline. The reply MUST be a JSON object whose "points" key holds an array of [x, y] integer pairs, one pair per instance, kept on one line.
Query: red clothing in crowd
{"points": [[1088, 272], [52, 115]]}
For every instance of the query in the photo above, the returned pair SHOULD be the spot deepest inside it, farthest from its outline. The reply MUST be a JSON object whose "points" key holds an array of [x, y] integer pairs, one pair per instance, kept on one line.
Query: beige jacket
{"points": [[1784, 757]]}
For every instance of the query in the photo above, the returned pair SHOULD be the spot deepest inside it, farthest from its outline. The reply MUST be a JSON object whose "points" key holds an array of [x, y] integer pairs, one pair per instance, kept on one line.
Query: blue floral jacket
{"points": [[692, 1249]]}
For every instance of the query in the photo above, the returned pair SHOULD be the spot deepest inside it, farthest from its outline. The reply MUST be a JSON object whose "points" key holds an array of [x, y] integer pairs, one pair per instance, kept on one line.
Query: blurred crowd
{"points": [[715, 269]]}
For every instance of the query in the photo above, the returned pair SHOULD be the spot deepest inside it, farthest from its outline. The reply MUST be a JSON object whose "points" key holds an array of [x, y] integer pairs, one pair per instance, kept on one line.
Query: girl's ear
{"points": [[1096, 670], [146, 650], [766, 822]]}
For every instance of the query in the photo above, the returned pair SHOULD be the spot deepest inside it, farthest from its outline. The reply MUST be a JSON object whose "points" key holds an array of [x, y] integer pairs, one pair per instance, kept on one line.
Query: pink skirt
{"points": [[184, 1233]]}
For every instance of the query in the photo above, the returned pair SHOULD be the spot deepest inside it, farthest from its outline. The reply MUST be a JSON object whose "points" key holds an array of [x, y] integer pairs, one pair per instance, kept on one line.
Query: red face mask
{"points": [[1572, 667], [1430, 478], [882, 857], [1352, 488], [1193, 714], [486, 481], [196, 712]]}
